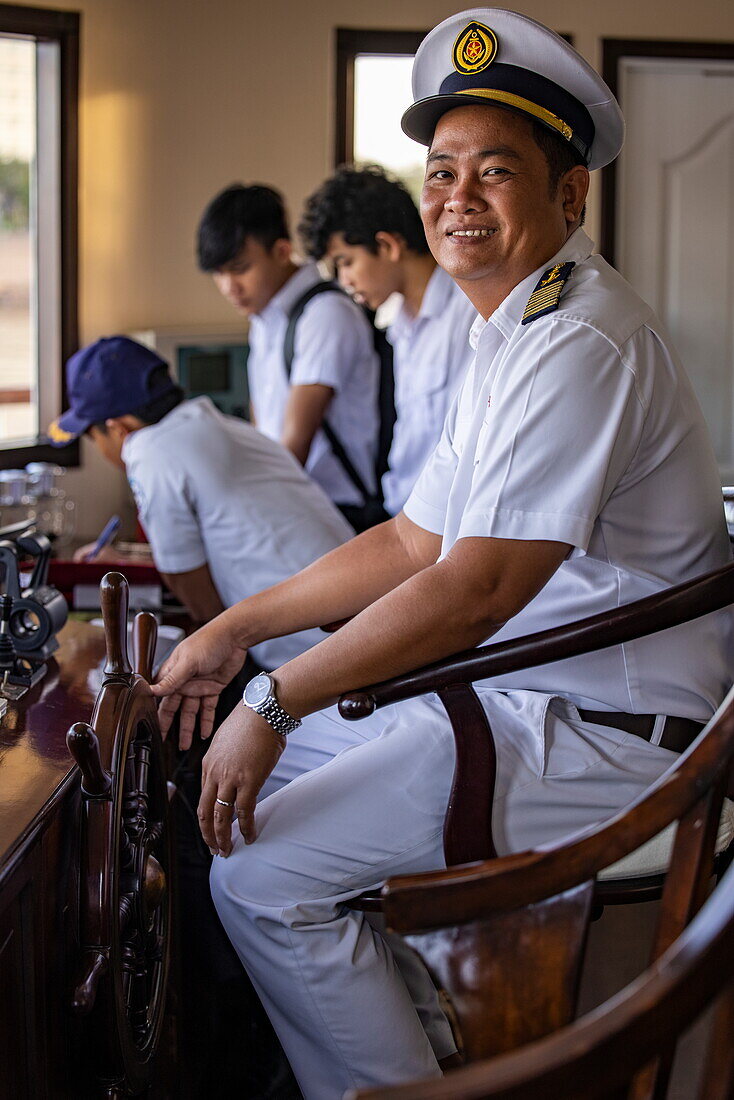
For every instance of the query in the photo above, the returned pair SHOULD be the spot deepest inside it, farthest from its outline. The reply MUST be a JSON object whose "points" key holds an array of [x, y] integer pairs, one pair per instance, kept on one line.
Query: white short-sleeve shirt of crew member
{"points": [[431, 355], [333, 347], [211, 489], [582, 427]]}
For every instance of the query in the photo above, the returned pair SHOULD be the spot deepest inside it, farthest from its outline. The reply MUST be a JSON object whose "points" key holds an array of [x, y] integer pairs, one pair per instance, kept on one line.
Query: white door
{"points": [[674, 227]]}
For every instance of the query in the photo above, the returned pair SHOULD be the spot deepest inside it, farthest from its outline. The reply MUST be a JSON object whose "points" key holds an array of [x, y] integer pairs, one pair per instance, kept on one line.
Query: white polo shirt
{"points": [[211, 489], [333, 347], [582, 427], [431, 355]]}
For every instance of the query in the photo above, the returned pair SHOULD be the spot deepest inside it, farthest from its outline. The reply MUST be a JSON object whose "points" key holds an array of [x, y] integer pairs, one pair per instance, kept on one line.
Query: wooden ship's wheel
{"points": [[126, 861]]}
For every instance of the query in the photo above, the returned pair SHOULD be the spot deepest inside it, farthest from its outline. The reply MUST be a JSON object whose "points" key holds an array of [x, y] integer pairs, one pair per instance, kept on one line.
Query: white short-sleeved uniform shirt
{"points": [[431, 356], [333, 347], [582, 427], [211, 489]]}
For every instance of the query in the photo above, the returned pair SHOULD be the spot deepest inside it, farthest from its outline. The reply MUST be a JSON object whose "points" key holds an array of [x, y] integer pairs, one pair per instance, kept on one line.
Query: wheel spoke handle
{"points": [[95, 964]]}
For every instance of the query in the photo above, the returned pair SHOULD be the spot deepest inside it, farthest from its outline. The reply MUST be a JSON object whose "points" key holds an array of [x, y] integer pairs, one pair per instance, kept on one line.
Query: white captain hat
{"points": [[501, 58]]}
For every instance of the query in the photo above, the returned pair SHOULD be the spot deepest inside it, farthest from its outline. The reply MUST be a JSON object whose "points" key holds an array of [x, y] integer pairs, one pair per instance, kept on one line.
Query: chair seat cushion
{"points": [[653, 858]]}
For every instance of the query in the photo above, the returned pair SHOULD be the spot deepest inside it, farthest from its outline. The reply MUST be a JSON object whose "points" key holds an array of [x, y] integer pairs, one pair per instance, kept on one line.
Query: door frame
{"points": [[614, 49]]}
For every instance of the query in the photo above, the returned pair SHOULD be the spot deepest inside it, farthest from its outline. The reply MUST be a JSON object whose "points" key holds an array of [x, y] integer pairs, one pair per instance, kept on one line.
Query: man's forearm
{"points": [[447, 607], [337, 586], [423, 620], [197, 592]]}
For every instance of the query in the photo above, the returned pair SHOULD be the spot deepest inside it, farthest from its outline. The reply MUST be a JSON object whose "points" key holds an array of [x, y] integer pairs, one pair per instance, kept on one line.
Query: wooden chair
{"points": [[468, 826], [607, 1054], [506, 938]]}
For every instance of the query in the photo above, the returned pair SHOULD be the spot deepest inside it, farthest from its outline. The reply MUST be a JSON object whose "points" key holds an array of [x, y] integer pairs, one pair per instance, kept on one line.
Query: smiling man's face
{"points": [[486, 205]]}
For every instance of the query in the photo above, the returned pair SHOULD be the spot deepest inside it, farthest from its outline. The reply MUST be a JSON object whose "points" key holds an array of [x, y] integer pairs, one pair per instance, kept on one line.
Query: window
{"points": [[373, 90], [38, 224]]}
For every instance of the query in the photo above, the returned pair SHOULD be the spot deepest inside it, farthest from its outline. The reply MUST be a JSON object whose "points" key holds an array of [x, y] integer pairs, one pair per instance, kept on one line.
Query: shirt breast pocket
{"points": [[424, 385], [431, 377]]}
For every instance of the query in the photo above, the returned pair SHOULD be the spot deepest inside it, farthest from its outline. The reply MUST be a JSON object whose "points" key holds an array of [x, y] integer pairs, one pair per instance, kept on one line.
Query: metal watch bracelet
{"points": [[280, 720], [262, 687]]}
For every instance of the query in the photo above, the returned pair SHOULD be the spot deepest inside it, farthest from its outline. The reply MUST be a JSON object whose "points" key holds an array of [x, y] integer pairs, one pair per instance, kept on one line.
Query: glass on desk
{"points": [[54, 512], [15, 503]]}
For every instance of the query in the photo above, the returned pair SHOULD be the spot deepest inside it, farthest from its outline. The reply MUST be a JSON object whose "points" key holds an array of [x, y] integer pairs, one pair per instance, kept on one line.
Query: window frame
{"points": [[349, 43], [61, 27]]}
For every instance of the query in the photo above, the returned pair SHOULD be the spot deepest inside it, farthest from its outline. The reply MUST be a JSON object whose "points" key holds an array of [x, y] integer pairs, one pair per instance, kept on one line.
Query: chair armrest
{"points": [[672, 607]]}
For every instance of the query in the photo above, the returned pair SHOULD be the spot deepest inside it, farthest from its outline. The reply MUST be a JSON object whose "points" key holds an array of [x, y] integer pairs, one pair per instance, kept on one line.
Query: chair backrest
{"points": [[468, 827], [602, 1056], [506, 938]]}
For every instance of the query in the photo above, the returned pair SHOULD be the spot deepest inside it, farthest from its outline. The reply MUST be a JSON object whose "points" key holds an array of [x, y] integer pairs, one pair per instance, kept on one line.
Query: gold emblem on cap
{"points": [[474, 49], [58, 434]]}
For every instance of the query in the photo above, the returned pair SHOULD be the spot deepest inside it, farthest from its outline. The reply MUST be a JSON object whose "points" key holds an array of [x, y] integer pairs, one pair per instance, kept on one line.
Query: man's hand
{"points": [[194, 676], [242, 755], [107, 553]]}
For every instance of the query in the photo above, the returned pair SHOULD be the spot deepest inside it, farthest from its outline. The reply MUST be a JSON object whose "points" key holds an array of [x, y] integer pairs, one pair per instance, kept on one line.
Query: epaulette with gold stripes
{"points": [[547, 294]]}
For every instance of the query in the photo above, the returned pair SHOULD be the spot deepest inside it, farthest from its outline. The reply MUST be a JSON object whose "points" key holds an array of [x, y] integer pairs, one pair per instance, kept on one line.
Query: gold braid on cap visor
{"points": [[522, 105]]}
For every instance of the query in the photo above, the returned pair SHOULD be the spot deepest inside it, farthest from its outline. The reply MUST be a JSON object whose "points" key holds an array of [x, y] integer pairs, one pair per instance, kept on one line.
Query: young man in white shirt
{"points": [[227, 511], [243, 241], [575, 473], [368, 226]]}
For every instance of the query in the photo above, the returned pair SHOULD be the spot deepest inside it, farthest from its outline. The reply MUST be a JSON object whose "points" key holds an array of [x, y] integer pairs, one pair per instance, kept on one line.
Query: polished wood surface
{"points": [[126, 866], [145, 634], [86, 877], [41, 1043], [113, 593], [505, 938], [35, 762], [468, 826], [597, 1057], [679, 604]]}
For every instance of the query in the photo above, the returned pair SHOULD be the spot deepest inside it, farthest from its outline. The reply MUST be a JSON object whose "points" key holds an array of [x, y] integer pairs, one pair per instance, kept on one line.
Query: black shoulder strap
{"points": [[289, 346], [386, 401]]}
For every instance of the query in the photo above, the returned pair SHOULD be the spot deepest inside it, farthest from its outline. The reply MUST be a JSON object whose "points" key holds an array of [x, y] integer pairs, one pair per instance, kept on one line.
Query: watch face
{"points": [[258, 690]]}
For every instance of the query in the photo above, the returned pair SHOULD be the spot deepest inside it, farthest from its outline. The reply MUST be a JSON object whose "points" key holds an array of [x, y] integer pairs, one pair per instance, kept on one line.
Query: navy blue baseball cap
{"points": [[112, 377]]}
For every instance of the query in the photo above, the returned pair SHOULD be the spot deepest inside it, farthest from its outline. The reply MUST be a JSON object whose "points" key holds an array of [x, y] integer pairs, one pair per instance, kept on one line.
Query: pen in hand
{"points": [[105, 536]]}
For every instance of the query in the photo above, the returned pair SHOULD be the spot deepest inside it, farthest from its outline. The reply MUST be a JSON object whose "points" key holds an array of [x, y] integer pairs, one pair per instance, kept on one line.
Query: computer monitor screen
{"points": [[208, 372]]}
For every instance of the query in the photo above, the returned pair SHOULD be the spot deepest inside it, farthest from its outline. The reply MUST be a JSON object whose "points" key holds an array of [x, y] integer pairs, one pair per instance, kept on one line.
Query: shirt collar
{"points": [[509, 313], [300, 281], [131, 441], [476, 330], [439, 289]]}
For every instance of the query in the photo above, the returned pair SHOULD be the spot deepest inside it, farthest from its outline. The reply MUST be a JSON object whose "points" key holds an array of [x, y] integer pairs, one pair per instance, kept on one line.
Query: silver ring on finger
{"points": [[221, 802]]}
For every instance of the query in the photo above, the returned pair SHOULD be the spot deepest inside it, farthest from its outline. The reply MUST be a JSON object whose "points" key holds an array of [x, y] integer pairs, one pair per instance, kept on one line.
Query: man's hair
{"points": [[152, 411], [359, 203], [560, 155], [235, 214]]}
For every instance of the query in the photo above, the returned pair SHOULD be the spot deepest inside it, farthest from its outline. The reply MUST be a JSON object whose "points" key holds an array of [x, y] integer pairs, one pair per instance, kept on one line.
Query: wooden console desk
{"points": [[45, 1052], [39, 888]]}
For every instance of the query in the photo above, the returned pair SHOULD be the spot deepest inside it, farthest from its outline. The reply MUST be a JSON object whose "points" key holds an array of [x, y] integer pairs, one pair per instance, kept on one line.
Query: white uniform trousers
{"points": [[347, 1013]]}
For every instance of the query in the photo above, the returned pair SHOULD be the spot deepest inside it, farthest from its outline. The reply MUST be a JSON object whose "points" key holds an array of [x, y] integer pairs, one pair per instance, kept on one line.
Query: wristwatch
{"points": [[259, 695]]}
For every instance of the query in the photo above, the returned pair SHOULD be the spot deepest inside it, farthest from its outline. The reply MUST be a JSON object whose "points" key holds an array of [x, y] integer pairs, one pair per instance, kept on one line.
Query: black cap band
{"points": [[530, 94]]}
